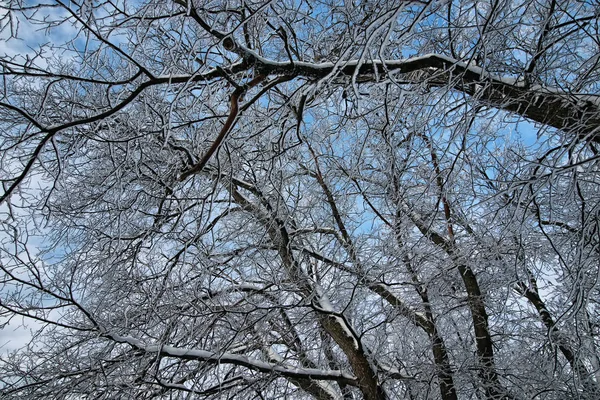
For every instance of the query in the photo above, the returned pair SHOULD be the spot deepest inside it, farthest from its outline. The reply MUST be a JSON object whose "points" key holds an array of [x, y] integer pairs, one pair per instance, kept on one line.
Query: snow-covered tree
{"points": [[300, 199]]}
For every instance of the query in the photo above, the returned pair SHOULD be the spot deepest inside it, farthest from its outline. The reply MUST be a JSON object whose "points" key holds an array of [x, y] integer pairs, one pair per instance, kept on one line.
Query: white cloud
{"points": [[16, 334]]}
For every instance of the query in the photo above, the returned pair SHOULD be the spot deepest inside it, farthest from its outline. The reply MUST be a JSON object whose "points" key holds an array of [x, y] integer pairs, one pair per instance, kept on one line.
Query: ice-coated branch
{"points": [[235, 359], [577, 113]]}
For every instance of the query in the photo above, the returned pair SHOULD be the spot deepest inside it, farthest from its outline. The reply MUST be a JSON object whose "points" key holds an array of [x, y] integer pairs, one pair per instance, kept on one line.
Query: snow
{"points": [[393, 64], [322, 300], [393, 370], [420, 315], [347, 332], [228, 358]]}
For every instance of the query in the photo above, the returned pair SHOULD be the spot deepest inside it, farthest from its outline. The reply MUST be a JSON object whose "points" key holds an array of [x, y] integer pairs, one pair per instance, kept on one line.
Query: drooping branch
{"points": [[575, 113], [235, 359]]}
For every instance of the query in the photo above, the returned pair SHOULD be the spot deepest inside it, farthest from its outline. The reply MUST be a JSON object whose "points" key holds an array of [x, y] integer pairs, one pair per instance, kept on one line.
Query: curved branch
{"points": [[235, 359], [576, 113], [229, 124]]}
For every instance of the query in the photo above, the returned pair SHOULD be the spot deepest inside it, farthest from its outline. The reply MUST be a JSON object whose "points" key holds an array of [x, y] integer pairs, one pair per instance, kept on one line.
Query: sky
{"points": [[17, 332]]}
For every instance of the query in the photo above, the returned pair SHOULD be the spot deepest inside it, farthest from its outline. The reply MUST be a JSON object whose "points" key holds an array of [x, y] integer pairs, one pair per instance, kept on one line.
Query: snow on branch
{"points": [[576, 113], [236, 359]]}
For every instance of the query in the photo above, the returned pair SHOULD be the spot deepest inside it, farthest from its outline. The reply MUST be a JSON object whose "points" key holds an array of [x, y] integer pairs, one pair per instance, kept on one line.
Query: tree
{"points": [[297, 199]]}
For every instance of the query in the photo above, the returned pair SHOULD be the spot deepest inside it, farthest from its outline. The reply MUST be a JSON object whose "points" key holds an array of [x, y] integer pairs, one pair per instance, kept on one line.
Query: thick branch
{"points": [[335, 325], [575, 113], [483, 337]]}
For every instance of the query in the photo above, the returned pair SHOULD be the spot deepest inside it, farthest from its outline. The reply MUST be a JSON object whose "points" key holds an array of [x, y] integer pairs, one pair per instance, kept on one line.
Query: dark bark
{"points": [[332, 323], [573, 113]]}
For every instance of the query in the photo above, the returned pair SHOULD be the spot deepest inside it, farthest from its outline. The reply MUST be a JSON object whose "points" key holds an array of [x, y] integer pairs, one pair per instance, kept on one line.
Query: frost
{"points": [[228, 358]]}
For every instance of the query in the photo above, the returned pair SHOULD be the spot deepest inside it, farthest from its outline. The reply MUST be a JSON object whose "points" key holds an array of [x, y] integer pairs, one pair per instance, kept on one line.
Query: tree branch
{"points": [[235, 359], [576, 113]]}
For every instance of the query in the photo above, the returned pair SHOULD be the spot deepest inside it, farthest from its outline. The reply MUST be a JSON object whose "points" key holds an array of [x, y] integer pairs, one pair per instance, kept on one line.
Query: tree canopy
{"points": [[300, 199]]}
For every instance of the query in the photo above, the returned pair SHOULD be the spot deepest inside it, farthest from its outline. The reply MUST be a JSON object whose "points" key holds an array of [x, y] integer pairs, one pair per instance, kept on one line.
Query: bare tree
{"points": [[297, 199]]}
